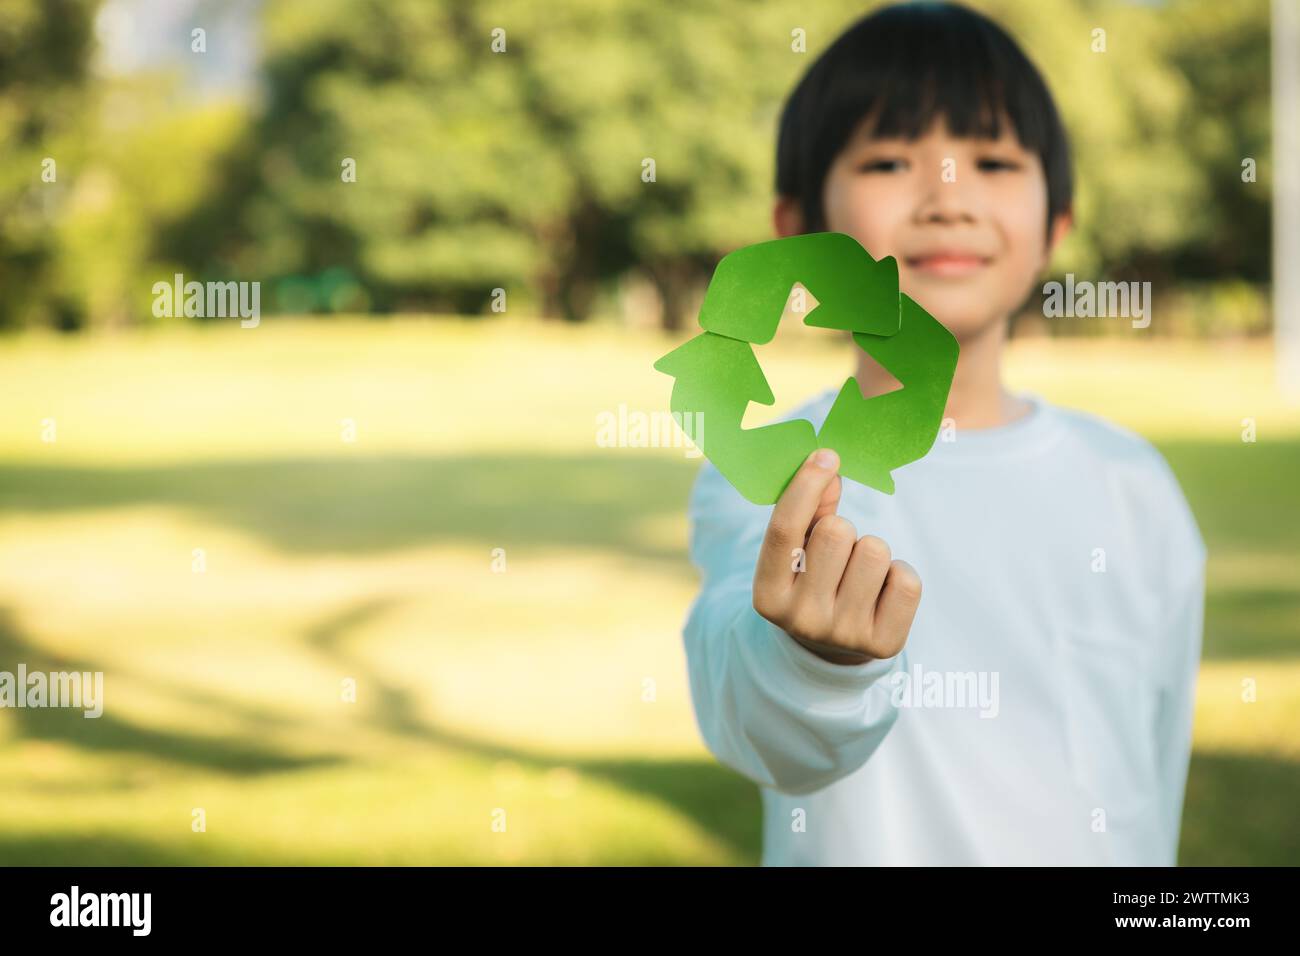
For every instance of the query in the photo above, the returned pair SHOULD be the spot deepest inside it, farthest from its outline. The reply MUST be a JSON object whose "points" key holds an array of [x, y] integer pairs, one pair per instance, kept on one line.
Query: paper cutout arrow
{"points": [[717, 378], [716, 374], [751, 286], [876, 435]]}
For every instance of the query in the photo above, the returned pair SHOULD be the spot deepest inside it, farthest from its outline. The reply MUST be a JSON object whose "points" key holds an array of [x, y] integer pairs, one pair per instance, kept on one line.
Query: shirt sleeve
{"points": [[1183, 614], [766, 706]]}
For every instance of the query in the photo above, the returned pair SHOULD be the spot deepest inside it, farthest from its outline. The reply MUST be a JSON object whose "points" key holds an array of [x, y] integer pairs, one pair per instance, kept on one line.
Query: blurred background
{"points": [[395, 484]]}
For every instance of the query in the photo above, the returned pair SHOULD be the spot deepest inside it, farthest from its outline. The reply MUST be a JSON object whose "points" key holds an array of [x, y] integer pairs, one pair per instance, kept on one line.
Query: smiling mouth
{"points": [[948, 263]]}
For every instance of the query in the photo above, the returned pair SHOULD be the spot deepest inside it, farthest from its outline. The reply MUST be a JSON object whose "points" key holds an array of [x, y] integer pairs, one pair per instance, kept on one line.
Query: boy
{"points": [[1036, 706]]}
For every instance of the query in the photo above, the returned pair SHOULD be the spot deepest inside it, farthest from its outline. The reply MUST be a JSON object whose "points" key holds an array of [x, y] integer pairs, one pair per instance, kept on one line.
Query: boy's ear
{"points": [[1061, 227], [787, 217]]}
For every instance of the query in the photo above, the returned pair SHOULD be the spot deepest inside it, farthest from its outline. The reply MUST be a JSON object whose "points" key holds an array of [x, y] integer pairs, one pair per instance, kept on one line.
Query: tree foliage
{"points": [[508, 145]]}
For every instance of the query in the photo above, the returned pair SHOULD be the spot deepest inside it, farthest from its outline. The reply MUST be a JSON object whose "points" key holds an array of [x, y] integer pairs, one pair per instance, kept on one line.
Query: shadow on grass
{"points": [[720, 802], [1246, 498], [1254, 624], [94, 849], [108, 733], [389, 502], [1240, 810]]}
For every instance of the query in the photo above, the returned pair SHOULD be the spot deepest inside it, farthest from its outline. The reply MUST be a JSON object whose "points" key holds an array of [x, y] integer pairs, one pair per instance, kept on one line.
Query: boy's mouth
{"points": [[947, 263]]}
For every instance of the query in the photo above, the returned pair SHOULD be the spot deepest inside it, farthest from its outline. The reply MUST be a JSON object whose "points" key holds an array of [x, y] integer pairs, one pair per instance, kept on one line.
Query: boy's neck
{"points": [[977, 398]]}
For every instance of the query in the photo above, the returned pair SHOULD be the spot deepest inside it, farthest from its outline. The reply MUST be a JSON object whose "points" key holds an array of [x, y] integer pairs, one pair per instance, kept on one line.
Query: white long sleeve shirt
{"points": [[1041, 710]]}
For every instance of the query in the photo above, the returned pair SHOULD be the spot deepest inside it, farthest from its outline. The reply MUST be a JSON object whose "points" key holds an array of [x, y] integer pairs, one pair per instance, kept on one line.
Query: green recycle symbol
{"points": [[716, 374]]}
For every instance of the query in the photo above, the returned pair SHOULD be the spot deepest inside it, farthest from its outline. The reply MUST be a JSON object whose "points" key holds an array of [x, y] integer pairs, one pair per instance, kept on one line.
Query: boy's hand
{"points": [[851, 603]]}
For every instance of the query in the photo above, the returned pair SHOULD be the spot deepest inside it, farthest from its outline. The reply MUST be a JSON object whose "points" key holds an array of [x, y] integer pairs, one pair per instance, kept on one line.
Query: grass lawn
{"points": [[551, 696]]}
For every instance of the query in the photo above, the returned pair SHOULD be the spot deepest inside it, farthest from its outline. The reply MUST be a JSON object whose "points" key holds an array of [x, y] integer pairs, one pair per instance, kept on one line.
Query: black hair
{"points": [[906, 65]]}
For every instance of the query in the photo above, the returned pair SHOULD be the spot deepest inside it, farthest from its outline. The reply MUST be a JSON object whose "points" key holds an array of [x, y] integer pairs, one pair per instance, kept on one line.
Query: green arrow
{"points": [[716, 375], [715, 379], [750, 287], [876, 435]]}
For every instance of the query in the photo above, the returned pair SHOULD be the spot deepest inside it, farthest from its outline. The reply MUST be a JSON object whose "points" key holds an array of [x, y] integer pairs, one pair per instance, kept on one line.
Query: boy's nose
{"points": [[946, 202]]}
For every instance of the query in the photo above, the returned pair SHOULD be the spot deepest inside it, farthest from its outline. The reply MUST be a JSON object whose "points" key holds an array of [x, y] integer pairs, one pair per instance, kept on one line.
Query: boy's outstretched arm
{"points": [[793, 713]]}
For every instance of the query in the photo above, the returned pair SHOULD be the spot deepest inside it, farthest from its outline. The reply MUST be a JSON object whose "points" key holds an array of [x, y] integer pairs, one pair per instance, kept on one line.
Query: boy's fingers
{"points": [[896, 608], [829, 503], [855, 602], [829, 546], [809, 495]]}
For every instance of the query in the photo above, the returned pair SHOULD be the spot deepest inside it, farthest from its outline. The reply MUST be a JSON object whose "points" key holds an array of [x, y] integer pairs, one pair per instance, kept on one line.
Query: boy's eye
{"points": [[883, 166], [996, 164]]}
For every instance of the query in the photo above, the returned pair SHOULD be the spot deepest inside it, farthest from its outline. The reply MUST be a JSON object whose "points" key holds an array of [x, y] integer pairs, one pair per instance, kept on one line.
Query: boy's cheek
{"points": [[961, 307], [970, 305], [874, 217]]}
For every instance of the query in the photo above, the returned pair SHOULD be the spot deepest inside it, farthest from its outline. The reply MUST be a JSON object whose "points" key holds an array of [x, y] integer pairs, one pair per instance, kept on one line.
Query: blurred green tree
{"points": [[418, 154], [1223, 51], [519, 158], [504, 145], [45, 50]]}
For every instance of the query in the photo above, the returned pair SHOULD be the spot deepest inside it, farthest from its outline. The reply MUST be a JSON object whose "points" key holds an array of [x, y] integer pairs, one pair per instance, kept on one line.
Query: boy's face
{"points": [[965, 218]]}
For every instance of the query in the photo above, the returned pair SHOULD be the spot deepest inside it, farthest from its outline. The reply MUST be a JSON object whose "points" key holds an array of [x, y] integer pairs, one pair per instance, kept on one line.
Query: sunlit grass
{"points": [[554, 691]]}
